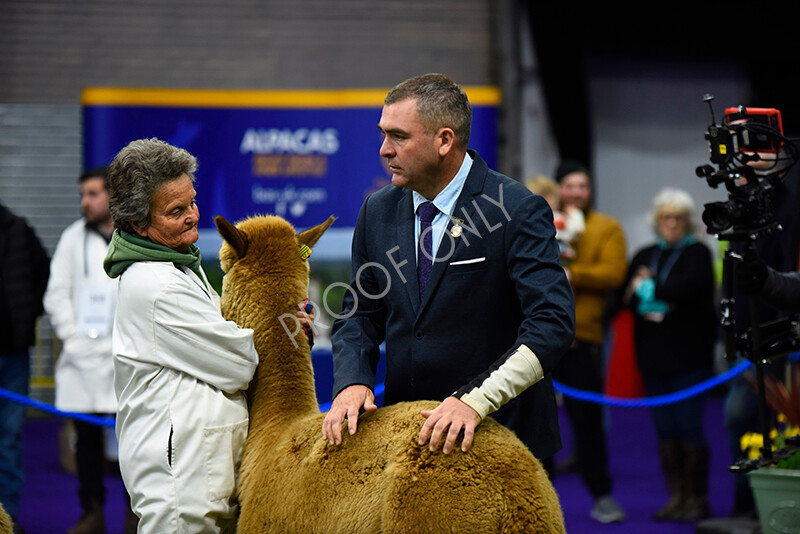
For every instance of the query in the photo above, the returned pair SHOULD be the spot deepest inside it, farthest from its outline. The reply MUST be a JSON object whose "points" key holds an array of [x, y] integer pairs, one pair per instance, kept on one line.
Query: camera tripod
{"points": [[761, 343]]}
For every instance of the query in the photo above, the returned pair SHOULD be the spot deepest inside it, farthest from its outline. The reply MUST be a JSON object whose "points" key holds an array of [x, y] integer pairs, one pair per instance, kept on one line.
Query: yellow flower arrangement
{"points": [[752, 442], [786, 403]]}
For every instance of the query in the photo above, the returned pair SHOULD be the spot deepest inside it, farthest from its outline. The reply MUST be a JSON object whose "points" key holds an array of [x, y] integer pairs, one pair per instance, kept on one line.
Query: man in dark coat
{"points": [[471, 301], [24, 270]]}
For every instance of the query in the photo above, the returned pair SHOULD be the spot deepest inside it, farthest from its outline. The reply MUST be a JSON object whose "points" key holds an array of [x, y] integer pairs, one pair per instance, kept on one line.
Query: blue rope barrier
{"points": [[47, 408], [653, 401], [379, 390]]}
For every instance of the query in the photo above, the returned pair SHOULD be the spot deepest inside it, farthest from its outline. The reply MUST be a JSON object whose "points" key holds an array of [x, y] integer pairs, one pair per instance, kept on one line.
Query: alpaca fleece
{"points": [[379, 480], [6, 526]]}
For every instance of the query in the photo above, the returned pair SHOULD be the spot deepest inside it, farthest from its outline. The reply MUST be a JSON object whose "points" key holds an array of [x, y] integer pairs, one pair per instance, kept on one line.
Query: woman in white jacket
{"points": [[181, 368]]}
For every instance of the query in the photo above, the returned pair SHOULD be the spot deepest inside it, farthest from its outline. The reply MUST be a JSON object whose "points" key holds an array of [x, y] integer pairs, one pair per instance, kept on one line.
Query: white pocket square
{"points": [[467, 262]]}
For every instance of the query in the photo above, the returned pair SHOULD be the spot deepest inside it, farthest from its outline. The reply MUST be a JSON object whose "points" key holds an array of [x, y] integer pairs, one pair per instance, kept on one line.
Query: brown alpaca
{"points": [[6, 526], [380, 479]]}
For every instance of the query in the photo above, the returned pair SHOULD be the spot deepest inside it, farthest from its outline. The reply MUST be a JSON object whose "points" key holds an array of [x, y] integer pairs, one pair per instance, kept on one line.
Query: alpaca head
{"points": [[266, 271]]}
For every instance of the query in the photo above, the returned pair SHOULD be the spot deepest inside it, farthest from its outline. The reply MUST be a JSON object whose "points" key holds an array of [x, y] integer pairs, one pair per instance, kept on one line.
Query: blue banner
{"points": [[303, 155]]}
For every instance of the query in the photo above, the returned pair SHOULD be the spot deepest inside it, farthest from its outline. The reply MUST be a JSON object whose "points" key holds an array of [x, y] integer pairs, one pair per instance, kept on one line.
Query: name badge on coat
{"points": [[94, 311]]}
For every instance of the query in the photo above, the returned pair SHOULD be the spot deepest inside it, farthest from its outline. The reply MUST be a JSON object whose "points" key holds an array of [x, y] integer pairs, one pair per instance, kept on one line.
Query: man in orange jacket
{"points": [[598, 268]]}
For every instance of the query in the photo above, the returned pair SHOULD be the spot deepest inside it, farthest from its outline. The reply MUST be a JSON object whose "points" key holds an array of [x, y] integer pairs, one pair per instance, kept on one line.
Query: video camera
{"points": [[750, 150], [751, 155]]}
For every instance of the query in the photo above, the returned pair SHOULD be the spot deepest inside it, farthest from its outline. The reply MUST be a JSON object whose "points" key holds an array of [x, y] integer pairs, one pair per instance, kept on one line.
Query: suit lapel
{"points": [[464, 210], [407, 243]]}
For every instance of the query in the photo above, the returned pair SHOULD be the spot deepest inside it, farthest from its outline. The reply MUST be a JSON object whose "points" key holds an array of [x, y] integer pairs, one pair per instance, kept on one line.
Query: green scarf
{"points": [[126, 249]]}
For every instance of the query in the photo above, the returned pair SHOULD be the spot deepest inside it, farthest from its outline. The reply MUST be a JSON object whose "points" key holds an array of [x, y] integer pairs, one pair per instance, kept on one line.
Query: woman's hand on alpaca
{"points": [[451, 416], [305, 317], [305, 314], [347, 404]]}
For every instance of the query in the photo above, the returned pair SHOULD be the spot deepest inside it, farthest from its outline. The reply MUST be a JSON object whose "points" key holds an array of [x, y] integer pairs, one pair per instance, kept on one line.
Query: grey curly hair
{"points": [[138, 170]]}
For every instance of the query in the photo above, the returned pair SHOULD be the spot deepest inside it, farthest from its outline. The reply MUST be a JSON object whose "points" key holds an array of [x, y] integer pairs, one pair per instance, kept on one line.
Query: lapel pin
{"points": [[456, 230]]}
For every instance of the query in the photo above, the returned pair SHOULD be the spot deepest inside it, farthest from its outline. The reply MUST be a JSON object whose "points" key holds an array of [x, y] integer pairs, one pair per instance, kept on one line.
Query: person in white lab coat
{"points": [[79, 302], [181, 368]]}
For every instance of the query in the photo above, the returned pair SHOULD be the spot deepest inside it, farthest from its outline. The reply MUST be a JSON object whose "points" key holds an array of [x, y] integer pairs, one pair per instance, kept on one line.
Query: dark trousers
{"points": [[679, 421], [582, 368], [90, 461], [15, 372]]}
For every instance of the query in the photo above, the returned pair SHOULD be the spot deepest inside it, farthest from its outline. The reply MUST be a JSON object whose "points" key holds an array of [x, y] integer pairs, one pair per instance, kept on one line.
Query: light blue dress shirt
{"points": [[445, 202]]}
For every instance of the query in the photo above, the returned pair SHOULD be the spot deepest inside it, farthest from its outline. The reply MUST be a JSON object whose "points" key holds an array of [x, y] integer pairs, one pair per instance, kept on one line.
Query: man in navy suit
{"points": [[471, 301]]}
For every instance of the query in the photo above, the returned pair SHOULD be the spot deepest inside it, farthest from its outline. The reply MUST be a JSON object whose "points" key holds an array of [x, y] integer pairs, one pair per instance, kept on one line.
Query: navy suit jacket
{"points": [[473, 312]]}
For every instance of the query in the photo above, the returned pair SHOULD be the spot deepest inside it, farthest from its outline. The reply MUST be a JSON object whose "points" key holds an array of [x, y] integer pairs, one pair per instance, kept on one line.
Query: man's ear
{"points": [[446, 138]]}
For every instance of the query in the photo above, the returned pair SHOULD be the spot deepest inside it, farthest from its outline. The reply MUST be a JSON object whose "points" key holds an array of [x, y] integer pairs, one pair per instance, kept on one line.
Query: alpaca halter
{"points": [[305, 252]]}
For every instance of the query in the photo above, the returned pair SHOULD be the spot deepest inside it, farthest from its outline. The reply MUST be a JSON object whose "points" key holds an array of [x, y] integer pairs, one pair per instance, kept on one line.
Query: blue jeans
{"points": [[15, 374], [680, 421]]}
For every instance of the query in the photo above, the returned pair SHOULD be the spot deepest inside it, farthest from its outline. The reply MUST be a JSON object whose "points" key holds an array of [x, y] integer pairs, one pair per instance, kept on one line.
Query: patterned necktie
{"points": [[427, 211]]}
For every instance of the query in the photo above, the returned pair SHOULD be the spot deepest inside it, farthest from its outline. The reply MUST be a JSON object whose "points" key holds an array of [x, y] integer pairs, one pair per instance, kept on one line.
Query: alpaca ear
{"points": [[235, 237], [311, 236]]}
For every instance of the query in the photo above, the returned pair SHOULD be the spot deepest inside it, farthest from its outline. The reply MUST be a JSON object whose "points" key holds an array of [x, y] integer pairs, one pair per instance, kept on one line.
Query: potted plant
{"points": [[776, 482]]}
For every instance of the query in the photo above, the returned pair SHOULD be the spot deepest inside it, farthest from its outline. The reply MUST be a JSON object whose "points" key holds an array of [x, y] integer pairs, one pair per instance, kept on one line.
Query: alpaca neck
{"points": [[283, 386]]}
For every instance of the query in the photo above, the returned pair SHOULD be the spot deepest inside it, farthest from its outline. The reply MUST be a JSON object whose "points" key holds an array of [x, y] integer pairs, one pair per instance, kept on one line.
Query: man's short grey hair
{"points": [[441, 103], [677, 200], [138, 170]]}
